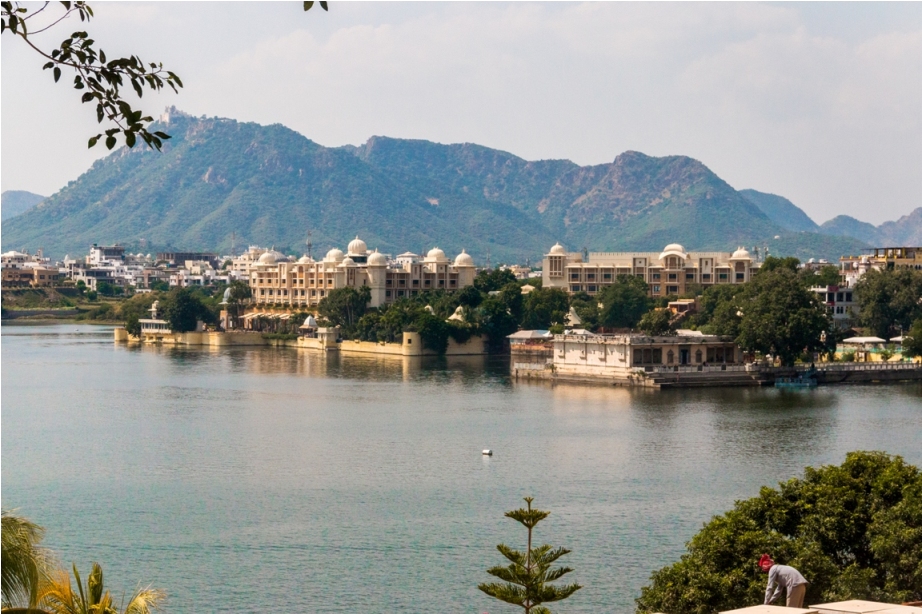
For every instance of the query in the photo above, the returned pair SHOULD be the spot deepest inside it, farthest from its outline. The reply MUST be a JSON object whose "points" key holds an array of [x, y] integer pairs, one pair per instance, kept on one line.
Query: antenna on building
{"points": [[234, 243], [309, 244], [488, 259], [585, 254]]}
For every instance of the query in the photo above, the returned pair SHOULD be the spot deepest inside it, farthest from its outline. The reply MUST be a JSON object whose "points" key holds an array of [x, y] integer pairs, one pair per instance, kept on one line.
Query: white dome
{"points": [[558, 250], [742, 254], [305, 260], [464, 259], [673, 249], [309, 322], [267, 258], [435, 255], [334, 255], [377, 259], [357, 247], [347, 262]]}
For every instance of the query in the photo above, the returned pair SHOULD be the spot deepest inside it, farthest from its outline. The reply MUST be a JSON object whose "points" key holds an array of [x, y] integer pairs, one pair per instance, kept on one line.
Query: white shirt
{"points": [[782, 576]]}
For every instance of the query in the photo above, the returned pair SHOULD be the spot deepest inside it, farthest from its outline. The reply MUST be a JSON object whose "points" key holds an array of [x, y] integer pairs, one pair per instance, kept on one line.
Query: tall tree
{"points": [[529, 574], [624, 302], [344, 307], [780, 316], [853, 530], [184, 309], [912, 340], [656, 322], [544, 307], [889, 300], [491, 280]]}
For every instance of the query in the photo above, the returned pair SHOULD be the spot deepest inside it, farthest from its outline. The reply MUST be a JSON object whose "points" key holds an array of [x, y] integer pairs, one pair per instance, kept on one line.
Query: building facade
{"points": [[853, 268], [306, 282], [669, 272]]}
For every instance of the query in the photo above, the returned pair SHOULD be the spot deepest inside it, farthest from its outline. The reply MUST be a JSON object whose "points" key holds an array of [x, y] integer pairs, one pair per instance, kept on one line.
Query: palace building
{"points": [[275, 280], [669, 272]]}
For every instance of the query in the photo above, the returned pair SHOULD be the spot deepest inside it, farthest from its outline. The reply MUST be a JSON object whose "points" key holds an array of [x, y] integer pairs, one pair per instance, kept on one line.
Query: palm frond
{"points": [[25, 564], [145, 600]]}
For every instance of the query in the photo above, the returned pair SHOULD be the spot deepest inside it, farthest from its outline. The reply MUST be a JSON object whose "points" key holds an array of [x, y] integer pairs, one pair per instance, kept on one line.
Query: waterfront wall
{"points": [[411, 344]]}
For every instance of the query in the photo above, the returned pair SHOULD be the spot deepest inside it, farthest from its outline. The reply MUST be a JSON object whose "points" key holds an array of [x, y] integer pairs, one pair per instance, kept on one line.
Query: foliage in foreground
{"points": [[92, 597], [33, 583], [25, 564], [853, 530], [527, 578]]}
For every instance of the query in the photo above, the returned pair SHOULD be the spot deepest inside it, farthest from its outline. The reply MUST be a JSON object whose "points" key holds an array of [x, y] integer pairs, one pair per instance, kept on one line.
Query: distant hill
{"points": [[781, 211], [219, 181], [905, 231], [16, 202]]}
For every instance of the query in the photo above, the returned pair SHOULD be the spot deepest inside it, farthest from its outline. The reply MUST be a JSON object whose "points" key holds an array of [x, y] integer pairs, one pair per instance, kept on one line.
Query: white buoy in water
{"points": [[488, 452]]}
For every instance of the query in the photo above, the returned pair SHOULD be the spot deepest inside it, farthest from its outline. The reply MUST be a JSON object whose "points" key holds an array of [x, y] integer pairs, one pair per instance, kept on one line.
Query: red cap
{"points": [[766, 562]]}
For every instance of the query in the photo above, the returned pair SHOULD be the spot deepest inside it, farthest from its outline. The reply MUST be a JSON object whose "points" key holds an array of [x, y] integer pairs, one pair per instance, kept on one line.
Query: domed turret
{"points": [[305, 260], [464, 259], [741, 254], [436, 255], [267, 258], [558, 250], [673, 249], [334, 255], [357, 247], [377, 259], [346, 263]]}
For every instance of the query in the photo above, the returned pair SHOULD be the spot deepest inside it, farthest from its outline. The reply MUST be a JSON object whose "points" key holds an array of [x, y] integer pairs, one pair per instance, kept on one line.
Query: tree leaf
{"points": [[129, 139], [93, 141], [110, 142], [57, 74]]}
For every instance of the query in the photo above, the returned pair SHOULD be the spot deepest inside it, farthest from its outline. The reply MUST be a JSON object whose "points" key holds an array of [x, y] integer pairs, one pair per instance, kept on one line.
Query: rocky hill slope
{"points": [[219, 181]]}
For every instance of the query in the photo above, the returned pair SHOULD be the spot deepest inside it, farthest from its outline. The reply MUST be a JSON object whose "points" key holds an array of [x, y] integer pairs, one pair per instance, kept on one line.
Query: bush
{"points": [[853, 530], [848, 356]]}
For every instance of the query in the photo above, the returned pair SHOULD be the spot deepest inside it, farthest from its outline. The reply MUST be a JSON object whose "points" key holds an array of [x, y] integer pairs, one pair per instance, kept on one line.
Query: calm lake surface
{"points": [[288, 481]]}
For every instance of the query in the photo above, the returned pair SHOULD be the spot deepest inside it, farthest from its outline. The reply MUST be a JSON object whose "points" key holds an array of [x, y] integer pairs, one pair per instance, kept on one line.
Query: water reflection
{"points": [[364, 473]]}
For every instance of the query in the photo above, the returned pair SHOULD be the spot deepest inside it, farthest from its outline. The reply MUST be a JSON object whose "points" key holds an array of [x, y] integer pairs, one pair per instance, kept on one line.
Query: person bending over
{"points": [[783, 576]]}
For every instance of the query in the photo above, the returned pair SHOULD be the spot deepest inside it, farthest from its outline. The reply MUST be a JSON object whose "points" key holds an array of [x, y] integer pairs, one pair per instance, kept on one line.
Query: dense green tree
{"points": [[780, 316], [344, 307], [773, 263], [511, 296], [133, 325], [496, 322], [889, 300], [624, 302], [825, 276], [912, 340], [527, 579], [656, 322], [491, 280], [469, 296], [545, 307], [183, 308], [25, 565], [159, 285], [853, 530], [587, 308]]}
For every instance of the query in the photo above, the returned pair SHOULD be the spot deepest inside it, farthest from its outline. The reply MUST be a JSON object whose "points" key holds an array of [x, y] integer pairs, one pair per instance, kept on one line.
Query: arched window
{"points": [[698, 356], [670, 357]]}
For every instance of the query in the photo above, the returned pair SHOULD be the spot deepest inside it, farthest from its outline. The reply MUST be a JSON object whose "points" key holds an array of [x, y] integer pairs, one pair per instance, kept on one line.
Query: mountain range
{"points": [[219, 183], [16, 202]]}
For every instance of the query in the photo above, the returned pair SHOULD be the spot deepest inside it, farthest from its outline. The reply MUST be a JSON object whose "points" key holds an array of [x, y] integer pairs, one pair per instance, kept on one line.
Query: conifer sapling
{"points": [[529, 574]]}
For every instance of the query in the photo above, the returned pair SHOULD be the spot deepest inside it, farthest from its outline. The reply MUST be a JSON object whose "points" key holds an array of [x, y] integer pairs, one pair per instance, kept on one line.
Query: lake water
{"points": [[266, 479]]}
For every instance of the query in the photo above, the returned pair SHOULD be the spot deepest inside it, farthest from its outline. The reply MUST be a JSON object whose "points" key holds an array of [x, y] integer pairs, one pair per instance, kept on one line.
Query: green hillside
{"points": [[218, 181], [16, 202], [781, 211]]}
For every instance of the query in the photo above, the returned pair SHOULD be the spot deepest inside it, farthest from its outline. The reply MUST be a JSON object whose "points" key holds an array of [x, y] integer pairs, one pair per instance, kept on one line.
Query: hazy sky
{"points": [[821, 103]]}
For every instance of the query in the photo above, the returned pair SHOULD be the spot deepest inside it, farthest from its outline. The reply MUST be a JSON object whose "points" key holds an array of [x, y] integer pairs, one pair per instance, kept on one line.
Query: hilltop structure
{"points": [[669, 272], [306, 282]]}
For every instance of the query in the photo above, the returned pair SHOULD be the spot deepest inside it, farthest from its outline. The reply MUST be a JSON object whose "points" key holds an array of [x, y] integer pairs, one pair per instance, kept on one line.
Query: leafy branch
{"points": [[101, 78]]}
